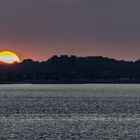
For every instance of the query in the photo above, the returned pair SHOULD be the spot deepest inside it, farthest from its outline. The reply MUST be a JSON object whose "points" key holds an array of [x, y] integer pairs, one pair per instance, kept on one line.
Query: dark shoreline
{"points": [[71, 70], [98, 81]]}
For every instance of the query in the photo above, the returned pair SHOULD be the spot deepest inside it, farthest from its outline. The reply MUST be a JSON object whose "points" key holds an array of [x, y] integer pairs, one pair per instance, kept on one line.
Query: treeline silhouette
{"points": [[63, 69]]}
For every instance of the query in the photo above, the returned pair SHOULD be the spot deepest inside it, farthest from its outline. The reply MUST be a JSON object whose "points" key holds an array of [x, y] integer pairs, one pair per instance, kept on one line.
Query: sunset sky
{"points": [[38, 29]]}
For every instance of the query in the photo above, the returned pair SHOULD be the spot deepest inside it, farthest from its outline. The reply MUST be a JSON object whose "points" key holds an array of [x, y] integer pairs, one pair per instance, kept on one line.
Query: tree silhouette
{"points": [[71, 68]]}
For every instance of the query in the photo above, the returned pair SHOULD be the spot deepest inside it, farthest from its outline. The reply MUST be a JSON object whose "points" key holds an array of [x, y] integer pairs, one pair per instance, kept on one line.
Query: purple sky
{"points": [[38, 29]]}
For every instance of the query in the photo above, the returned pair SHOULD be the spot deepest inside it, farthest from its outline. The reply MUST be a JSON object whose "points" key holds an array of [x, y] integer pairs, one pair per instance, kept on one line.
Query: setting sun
{"points": [[8, 57]]}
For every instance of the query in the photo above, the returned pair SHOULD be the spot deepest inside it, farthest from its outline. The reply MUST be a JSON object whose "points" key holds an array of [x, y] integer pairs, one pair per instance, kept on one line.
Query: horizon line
{"points": [[69, 55]]}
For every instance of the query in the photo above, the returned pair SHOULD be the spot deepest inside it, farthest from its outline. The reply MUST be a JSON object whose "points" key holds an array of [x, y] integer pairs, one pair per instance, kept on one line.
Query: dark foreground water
{"points": [[70, 112]]}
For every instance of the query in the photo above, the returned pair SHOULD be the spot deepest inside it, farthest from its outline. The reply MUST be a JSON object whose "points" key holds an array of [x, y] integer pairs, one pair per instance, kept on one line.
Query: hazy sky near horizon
{"points": [[38, 29]]}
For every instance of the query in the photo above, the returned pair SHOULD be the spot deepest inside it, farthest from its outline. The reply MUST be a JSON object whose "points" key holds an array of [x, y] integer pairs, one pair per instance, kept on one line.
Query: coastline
{"points": [[77, 81]]}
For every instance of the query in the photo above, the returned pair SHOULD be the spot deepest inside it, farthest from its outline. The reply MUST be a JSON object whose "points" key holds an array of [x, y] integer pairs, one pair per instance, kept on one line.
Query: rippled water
{"points": [[70, 112]]}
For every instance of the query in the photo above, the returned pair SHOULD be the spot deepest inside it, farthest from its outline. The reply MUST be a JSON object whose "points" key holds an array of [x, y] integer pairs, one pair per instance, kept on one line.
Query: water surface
{"points": [[70, 112]]}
